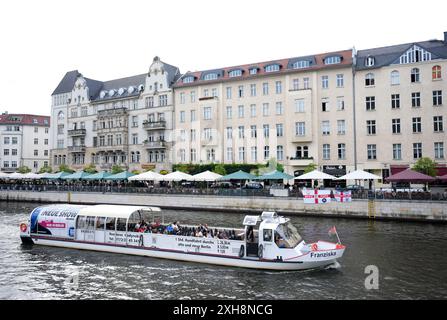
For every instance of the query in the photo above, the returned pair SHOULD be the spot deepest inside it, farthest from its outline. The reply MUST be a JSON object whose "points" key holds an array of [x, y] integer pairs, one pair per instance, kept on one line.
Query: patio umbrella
{"points": [[359, 175], [315, 175], [147, 176], [120, 176], [98, 176], [4, 175], [206, 176], [76, 176], [16, 175], [31, 176], [55, 176], [176, 176], [410, 176], [238, 175], [275, 175], [444, 177]]}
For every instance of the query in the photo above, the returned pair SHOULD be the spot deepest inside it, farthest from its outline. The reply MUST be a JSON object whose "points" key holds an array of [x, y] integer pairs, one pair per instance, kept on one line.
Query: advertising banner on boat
{"points": [[343, 196], [316, 196], [57, 221]]}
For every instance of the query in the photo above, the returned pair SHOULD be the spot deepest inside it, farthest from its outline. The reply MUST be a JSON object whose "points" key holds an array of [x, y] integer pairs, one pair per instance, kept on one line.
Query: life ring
{"points": [[260, 251], [23, 227], [242, 251], [314, 247]]}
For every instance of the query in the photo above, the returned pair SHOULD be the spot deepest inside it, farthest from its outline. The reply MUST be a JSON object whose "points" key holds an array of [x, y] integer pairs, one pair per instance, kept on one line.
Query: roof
{"points": [[25, 119], [67, 83], [316, 62], [113, 211], [385, 56]]}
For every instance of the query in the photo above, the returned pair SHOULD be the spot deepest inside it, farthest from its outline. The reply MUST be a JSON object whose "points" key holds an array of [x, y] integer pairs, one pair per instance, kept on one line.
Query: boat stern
{"points": [[25, 235]]}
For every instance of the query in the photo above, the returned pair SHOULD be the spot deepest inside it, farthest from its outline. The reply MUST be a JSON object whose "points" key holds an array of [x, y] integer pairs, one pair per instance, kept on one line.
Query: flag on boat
{"points": [[332, 231], [343, 196], [316, 196]]}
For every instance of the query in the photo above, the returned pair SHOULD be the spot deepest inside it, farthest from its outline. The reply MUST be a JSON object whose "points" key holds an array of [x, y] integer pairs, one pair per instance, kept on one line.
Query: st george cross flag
{"points": [[343, 196], [332, 231], [316, 196]]}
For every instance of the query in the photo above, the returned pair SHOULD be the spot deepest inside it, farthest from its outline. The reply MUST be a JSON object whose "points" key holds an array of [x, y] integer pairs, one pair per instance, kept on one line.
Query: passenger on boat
{"points": [[280, 241], [250, 234]]}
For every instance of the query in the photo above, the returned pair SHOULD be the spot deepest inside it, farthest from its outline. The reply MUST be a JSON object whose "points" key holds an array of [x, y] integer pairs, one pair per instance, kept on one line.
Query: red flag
{"points": [[332, 231]]}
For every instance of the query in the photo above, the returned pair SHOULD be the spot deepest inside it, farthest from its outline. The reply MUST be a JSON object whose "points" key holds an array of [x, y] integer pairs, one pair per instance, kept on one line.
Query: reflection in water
{"points": [[401, 251]]}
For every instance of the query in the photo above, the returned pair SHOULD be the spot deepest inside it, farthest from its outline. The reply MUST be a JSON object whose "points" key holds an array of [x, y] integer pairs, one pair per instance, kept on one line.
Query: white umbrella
{"points": [[31, 175], [147, 176], [176, 176], [4, 175], [16, 175], [315, 175], [206, 176], [359, 175]]}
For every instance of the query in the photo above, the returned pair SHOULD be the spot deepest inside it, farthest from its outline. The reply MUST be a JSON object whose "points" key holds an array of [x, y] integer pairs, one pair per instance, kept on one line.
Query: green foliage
{"points": [[164, 172], [23, 169], [91, 168], [65, 168], [136, 172], [310, 167], [220, 169], [45, 170], [426, 166], [229, 168], [116, 169]]}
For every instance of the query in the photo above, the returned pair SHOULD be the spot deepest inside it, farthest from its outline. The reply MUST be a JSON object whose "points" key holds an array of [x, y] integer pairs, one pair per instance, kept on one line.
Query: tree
{"points": [[65, 168], [45, 169], [164, 172], [116, 169], [220, 169], [426, 166], [23, 169], [136, 172], [310, 167], [91, 168]]}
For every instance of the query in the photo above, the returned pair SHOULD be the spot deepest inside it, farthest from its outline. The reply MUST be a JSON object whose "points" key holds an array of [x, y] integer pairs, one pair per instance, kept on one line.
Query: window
{"points": [[369, 61], [182, 155], [278, 87], [332, 60], [369, 80], [272, 68], [134, 121], [241, 153], [84, 112], [240, 91], [395, 78], [415, 54], [214, 92], [253, 71], [60, 115], [266, 129], [416, 99], [325, 128], [370, 103], [253, 90], [397, 151], [14, 140], [253, 110], [341, 127], [417, 150], [306, 83], [265, 88], [149, 102], [340, 81], [36, 153], [193, 96], [438, 125], [439, 150], [229, 154], [265, 109], [241, 132], [228, 92], [235, 73], [266, 152], [295, 84], [134, 138], [254, 154], [229, 112], [279, 108], [182, 98], [324, 82], [279, 130], [6, 152], [341, 151], [417, 125], [211, 155], [229, 133], [207, 134], [299, 105], [60, 129], [211, 76], [371, 127], [6, 140], [300, 128], [326, 151], [395, 126], [207, 113], [371, 150], [340, 103], [415, 76], [253, 131], [240, 111], [205, 92], [280, 153], [301, 64], [193, 115], [325, 104], [436, 73], [14, 152], [437, 98], [193, 134], [395, 101], [36, 129], [36, 141], [182, 116], [188, 79]]}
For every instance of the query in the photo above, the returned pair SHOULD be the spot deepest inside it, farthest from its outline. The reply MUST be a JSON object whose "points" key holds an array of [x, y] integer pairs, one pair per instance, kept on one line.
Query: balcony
{"points": [[112, 112], [208, 142], [154, 125], [155, 144], [299, 139], [301, 162], [77, 132], [112, 148], [76, 148]]}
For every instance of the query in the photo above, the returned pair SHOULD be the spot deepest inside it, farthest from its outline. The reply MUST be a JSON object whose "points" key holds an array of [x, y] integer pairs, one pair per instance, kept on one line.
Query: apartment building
{"points": [[296, 110], [24, 141], [126, 122]]}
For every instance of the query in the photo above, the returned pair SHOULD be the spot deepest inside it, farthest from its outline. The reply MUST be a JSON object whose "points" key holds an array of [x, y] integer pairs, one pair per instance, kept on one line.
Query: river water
{"points": [[411, 259]]}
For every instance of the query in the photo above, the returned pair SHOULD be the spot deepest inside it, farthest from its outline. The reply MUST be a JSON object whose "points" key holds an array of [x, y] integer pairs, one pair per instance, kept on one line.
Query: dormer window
{"points": [[332, 60], [369, 62], [211, 76], [253, 71], [301, 64], [415, 54], [188, 79], [35, 121], [235, 73], [272, 67]]}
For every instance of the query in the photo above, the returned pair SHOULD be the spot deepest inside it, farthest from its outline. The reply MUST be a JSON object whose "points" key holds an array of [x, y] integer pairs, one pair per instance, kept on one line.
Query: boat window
{"points": [[121, 224], [90, 223], [100, 223], [110, 224], [81, 223], [286, 236], [268, 235]]}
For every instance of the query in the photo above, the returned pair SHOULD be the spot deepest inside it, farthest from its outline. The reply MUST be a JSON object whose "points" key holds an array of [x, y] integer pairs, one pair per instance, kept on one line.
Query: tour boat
{"points": [[267, 241]]}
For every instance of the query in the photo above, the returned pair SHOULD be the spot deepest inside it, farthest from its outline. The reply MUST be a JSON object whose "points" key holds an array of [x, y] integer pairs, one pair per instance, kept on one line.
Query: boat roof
{"points": [[114, 211]]}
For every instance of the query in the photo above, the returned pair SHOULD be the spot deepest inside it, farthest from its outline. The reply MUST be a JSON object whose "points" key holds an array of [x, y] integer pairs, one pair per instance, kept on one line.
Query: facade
{"points": [[285, 109], [126, 122], [24, 141]]}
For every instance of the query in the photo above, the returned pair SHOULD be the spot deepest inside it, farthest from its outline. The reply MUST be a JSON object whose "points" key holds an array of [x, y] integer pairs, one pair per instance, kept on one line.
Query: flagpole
{"points": [[336, 233]]}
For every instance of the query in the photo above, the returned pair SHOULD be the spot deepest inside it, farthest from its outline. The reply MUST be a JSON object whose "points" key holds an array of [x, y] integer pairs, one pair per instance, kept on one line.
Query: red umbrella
{"points": [[444, 177], [410, 176]]}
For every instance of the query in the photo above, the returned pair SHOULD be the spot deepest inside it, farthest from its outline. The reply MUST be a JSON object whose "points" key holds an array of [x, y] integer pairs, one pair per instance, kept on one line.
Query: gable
{"points": [[414, 54]]}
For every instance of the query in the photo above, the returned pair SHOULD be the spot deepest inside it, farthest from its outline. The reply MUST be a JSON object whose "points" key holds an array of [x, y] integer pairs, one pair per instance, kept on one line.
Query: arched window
{"points": [[369, 79], [415, 76], [60, 115], [436, 73], [395, 77]]}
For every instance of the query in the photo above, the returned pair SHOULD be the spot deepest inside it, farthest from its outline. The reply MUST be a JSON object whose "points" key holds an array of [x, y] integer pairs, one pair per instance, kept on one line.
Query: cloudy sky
{"points": [[104, 40]]}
